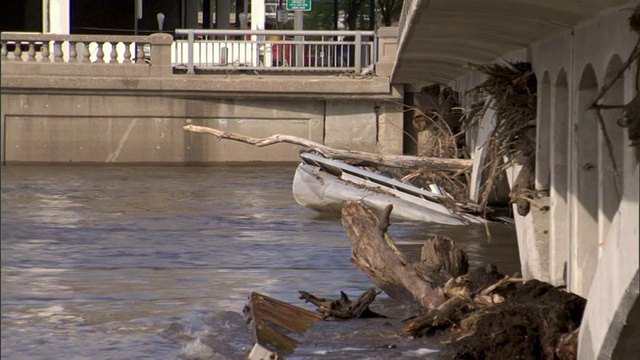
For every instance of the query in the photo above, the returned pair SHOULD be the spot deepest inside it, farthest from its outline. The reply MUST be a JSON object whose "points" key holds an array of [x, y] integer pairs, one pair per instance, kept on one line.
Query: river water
{"points": [[157, 263]]}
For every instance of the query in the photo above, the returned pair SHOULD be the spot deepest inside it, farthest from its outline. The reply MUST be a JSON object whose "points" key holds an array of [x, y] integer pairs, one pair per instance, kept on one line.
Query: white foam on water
{"points": [[419, 352], [197, 350]]}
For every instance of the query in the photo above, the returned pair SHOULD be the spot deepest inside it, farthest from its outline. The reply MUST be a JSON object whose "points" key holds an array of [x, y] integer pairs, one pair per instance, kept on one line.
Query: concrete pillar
{"points": [[543, 130], [206, 14], [610, 177], [161, 55], [584, 188], [257, 23], [223, 12], [390, 128], [559, 212], [56, 16], [257, 14], [387, 50], [4, 102], [191, 14]]}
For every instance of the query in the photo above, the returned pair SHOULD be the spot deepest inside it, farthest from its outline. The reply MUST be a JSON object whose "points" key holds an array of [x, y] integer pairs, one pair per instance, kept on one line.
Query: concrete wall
{"points": [[94, 128], [588, 236]]}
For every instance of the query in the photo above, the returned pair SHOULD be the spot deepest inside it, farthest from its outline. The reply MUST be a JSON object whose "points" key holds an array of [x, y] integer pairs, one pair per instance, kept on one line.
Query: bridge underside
{"points": [[440, 37]]}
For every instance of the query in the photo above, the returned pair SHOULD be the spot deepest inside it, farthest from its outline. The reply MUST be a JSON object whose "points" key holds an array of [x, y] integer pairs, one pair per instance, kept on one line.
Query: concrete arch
{"points": [[543, 133], [559, 182], [584, 189], [610, 176]]}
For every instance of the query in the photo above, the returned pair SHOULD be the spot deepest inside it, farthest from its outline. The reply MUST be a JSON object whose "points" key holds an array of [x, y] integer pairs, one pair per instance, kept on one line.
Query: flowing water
{"points": [[157, 263]]}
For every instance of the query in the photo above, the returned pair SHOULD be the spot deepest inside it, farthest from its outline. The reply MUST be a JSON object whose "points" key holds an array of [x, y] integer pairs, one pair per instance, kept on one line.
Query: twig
{"points": [[612, 157], [625, 66]]}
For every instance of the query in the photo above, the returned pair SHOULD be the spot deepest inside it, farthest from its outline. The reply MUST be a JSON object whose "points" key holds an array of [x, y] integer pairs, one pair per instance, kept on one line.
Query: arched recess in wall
{"points": [[584, 189], [543, 134], [559, 152], [611, 176]]}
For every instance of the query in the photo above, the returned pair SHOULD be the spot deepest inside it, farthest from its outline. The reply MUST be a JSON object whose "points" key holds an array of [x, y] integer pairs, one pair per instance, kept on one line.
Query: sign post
{"points": [[298, 6]]}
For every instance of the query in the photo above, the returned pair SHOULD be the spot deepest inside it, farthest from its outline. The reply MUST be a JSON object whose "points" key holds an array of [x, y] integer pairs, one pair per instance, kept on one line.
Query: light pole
{"points": [[160, 18], [137, 14]]}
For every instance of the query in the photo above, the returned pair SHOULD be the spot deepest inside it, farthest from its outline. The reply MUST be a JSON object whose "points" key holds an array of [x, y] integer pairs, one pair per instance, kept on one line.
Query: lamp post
{"points": [[160, 18], [137, 14]]}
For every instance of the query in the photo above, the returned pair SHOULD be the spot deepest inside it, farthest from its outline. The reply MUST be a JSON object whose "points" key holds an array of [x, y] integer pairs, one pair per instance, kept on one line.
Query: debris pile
{"points": [[489, 315], [437, 119], [511, 88]]}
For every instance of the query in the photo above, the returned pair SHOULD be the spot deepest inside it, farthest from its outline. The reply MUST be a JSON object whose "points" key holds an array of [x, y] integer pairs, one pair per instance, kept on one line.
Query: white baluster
{"points": [[45, 52], [100, 52], [73, 53], [5, 52], [31, 53], [127, 53], [17, 52], [114, 53], [85, 52], [57, 51]]}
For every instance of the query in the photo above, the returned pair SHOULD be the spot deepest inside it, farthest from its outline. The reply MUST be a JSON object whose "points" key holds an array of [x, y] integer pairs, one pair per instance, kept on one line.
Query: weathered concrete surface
{"points": [[350, 124], [575, 48], [390, 127], [441, 36], [132, 119], [387, 49], [218, 86], [60, 128], [613, 331], [90, 128]]}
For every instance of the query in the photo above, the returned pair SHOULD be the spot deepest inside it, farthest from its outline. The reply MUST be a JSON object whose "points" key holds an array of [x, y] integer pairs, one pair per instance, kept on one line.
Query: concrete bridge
{"points": [[586, 235], [132, 104]]}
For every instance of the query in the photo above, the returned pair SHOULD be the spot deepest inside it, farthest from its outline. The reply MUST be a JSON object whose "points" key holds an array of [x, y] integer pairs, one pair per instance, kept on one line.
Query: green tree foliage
{"points": [[390, 10], [354, 13]]}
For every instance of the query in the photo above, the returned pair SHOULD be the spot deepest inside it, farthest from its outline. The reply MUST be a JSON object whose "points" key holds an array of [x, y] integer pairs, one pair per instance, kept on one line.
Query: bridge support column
{"points": [[223, 11], [56, 16]]}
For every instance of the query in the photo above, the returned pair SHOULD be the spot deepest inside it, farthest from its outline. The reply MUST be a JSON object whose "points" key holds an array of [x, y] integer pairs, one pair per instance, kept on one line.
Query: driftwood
{"points": [[344, 308], [450, 312], [263, 311], [395, 161], [375, 254]]}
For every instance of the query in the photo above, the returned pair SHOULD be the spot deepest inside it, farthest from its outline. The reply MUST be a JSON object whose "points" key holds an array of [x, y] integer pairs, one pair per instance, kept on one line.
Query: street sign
{"points": [[298, 5]]}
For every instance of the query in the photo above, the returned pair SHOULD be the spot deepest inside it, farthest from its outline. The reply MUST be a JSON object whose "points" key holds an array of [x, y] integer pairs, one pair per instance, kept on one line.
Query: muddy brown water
{"points": [[157, 263]]}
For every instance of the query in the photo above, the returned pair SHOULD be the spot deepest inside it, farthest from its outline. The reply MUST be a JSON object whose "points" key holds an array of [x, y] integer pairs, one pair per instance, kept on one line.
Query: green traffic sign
{"points": [[298, 5]]}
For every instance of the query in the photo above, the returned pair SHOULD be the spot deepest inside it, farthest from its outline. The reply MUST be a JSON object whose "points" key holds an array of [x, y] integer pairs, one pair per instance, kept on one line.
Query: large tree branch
{"points": [[397, 161]]}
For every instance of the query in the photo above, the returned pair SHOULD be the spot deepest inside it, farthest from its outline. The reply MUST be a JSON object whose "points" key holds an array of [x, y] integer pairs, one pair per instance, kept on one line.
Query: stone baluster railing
{"points": [[85, 52], [97, 49], [73, 52], [57, 51]]}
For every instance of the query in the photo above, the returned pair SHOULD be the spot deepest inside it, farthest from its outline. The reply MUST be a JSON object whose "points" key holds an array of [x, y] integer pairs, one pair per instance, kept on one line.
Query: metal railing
{"points": [[269, 50]]}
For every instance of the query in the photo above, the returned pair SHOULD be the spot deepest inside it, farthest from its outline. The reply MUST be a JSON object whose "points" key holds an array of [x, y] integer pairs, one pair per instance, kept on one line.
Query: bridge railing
{"points": [[34, 47], [85, 55], [273, 50], [198, 51]]}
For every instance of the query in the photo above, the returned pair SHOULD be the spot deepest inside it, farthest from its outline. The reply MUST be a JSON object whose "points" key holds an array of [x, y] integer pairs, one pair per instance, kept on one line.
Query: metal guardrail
{"points": [[269, 50]]}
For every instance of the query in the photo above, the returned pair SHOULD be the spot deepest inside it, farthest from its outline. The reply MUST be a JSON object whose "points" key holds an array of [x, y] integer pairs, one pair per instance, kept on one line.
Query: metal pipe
{"points": [[272, 32], [190, 41], [358, 52]]}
